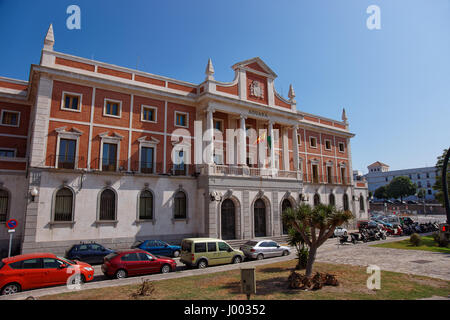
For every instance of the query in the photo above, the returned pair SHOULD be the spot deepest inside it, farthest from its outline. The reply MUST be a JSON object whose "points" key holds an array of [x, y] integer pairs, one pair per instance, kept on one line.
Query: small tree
{"points": [[320, 220], [295, 239], [401, 187], [380, 193]]}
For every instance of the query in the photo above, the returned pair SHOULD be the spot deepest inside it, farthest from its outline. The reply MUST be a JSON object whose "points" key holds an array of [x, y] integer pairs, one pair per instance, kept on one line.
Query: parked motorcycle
{"points": [[358, 237]]}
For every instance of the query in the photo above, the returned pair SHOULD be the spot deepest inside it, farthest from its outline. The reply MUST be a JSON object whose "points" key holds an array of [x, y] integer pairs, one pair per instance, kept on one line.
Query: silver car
{"points": [[260, 249]]}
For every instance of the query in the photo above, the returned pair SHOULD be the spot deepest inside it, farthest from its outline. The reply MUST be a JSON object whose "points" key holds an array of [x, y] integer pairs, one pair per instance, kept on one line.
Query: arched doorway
{"points": [[260, 218], [228, 220], [285, 205]]}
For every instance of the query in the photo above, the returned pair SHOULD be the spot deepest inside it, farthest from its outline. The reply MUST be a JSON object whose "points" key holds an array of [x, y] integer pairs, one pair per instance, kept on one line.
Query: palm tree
{"points": [[321, 222]]}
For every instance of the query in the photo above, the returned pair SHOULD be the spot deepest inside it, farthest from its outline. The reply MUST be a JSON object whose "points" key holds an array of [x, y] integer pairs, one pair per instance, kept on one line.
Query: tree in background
{"points": [[439, 195], [320, 221], [400, 187], [380, 193], [421, 193]]}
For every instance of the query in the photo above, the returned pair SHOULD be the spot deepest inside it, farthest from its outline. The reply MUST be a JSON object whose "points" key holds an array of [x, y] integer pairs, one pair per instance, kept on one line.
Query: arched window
{"points": [[316, 199], [107, 205], [345, 201], [4, 203], [361, 202], [332, 199], [180, 211], [63, 205], [146, 205]]}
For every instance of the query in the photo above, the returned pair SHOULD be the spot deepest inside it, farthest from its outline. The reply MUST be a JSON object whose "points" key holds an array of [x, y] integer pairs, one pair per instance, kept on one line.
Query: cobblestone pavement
{"points": [[432, 264]]}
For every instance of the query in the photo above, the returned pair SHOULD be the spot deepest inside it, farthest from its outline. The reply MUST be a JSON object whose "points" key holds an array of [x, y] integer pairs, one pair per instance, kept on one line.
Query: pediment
{"points": [[256, 65]]}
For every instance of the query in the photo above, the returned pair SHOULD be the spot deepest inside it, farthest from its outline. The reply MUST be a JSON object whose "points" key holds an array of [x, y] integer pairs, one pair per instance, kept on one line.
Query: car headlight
{"points": [[88, 269]]}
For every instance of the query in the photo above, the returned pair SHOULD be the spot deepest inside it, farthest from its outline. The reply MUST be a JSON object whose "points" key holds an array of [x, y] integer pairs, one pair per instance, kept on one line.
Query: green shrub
{"points": [[302, 255], [415, 239], [440, 242]]}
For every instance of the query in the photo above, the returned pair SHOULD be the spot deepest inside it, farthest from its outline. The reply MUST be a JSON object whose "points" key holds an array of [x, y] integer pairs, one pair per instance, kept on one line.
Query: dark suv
{"points": [[92, 253]]}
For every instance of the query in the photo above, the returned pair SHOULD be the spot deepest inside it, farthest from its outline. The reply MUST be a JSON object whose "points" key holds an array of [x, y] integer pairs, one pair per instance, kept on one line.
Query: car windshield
{"points": [[67, 260], [1, 264], [251, 243]]}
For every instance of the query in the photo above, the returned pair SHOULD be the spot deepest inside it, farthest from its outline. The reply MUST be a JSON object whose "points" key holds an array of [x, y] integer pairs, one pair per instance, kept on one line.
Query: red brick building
{"points": [[93, 151]]}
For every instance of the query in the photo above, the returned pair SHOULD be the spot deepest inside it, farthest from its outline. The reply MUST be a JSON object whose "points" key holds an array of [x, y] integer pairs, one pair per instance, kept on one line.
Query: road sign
{"points": [[11, 224]]}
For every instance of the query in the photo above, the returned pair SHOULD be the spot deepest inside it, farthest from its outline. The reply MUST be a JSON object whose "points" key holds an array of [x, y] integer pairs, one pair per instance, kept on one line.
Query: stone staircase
{"points": [[239, 242]]}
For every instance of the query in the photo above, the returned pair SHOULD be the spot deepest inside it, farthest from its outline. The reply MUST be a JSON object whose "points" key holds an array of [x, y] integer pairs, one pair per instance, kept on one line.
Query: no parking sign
{"points": [[11, 224]]}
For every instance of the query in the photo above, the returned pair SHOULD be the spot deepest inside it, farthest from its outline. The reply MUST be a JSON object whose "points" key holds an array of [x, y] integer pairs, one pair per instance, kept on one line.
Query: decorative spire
{"points": [[291, 93], [209, 70], [49, 40], [344, 116]]}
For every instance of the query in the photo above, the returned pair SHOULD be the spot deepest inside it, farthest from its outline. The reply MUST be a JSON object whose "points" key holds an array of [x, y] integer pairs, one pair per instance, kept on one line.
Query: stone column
{"points": [[272, 146], [295, 147], [210, 135], [242, 142]]}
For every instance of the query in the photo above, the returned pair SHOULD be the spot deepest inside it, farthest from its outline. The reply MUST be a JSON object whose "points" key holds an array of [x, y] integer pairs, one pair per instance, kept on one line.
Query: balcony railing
{"points": [[322, 179], [109, 164], [226, 170], [65, 161], [148, 167]]}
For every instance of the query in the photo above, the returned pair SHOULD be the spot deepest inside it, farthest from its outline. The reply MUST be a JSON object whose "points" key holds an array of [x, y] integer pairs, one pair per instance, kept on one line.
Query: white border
{"points": [[149, 107], [111, 115], [10, 125], [80, 104], [175, 119]]}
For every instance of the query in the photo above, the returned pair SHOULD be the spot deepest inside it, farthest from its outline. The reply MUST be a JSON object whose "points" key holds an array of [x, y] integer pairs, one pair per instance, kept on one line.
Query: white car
{"points": [[339, 231]]}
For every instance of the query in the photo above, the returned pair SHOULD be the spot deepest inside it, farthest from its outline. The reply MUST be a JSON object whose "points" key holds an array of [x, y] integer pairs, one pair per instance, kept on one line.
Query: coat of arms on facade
{"points": [[256, 89]]}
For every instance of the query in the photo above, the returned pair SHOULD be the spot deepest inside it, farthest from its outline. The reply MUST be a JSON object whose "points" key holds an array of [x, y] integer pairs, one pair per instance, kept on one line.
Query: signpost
{"points": [[11, 224]]}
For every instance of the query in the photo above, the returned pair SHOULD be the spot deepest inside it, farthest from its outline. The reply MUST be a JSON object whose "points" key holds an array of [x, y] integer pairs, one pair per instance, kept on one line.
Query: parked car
{"points": [[92, 253], [412, 202], [339, 231], [388, 201], [204, 252], [122, 264], [259, 250], [158, 248], [37, 270], [399, 202]]}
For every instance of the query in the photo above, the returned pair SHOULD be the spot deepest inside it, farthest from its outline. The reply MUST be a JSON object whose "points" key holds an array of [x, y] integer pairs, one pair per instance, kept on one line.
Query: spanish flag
{"points": [[263, 137]]}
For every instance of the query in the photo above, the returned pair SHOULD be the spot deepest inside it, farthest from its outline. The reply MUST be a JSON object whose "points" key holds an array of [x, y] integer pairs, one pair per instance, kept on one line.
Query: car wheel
{"points": [[176, 254], [202, 264], [260, 256], [11, 288], [121, 273], [165, 268], [237, 259], [285, 253]]}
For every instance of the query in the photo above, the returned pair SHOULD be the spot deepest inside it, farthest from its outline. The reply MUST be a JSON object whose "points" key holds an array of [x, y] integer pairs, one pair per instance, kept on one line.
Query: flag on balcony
{"points": [[263, 137]]}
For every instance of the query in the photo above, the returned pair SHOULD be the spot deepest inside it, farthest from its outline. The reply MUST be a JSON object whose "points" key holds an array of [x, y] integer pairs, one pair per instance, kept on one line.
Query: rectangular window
{"points": [[66, 156], [8, 153], [147, 160], [71, 102], [343, 177], [200, 247], [218, 125], [181, 119], [112, 108], [315, 173], [313, 142], [341, 147], [212, 247], [329, 177], [327, 144], [4, 203], [299, 140], [10, 118], [148, 114], [109, 160], [179, 168]]}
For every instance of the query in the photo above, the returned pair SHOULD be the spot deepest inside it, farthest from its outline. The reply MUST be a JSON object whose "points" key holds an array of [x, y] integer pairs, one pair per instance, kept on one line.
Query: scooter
{"points": [[358, 237]]}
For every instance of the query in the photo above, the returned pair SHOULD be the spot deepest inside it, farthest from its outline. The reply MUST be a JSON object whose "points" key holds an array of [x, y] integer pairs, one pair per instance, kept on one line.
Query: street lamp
{"points": [[34, 192]]}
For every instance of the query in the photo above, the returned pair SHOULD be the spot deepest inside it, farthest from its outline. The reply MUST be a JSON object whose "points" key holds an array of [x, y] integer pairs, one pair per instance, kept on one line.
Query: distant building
{"points": [[379, 175]]}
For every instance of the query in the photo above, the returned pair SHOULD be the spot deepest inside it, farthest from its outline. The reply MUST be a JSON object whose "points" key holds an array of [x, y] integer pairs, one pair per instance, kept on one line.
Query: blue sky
{"points": [[394, 83]]}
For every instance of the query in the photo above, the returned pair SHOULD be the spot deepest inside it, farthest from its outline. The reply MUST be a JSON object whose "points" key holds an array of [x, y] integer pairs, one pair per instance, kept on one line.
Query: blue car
{"points": [[158, 248], [92, 253]]}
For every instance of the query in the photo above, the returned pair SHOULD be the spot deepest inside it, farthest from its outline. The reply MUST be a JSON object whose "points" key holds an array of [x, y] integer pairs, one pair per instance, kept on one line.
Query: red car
{"points": [[133, 262], [37, 270]]}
